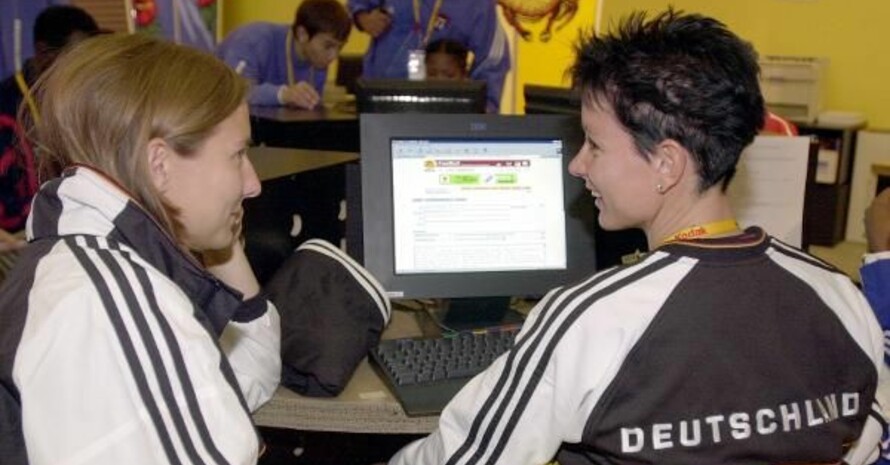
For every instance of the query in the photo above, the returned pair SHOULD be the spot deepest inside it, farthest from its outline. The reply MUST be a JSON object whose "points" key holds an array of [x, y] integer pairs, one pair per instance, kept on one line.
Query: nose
{"points": [[577, 166], [251, 186]]}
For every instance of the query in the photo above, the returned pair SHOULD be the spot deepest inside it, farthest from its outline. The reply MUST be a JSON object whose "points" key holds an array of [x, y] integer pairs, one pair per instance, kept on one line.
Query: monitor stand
{"points": [[471, 313]]}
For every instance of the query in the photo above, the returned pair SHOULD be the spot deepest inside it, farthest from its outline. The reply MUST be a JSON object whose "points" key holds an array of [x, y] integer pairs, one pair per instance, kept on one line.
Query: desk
{"points": [[277, 162], [845, 255], [364, 406], [327, 128]]}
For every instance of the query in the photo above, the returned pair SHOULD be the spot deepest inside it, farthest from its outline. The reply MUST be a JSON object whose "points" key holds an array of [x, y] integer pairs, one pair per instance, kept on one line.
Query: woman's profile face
{"points": [[443, 66], [622, 181], [208, 186]]}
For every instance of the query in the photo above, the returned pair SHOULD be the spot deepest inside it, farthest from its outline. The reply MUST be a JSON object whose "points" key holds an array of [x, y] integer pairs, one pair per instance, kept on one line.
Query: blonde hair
{"points": [[103, 100]]}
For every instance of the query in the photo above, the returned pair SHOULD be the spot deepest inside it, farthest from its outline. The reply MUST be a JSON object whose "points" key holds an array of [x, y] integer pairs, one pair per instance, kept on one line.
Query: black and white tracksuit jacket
{"points": [[117, 348], [716, 351]]}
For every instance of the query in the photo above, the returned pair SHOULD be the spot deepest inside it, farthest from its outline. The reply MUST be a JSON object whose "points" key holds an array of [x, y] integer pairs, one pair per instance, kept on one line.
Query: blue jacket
{"points": [[262, 49], [471, 22], [876, 287]]}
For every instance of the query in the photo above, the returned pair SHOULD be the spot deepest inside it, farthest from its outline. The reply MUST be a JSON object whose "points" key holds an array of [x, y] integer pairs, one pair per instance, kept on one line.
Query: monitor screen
{"points": [[433, 96], [473, 206], [551, 100]]}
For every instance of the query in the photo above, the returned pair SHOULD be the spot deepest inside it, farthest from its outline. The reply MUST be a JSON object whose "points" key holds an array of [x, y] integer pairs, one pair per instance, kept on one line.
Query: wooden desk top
{"points": [[846, 255], [364, 406], [326, 112], [276, 162]]}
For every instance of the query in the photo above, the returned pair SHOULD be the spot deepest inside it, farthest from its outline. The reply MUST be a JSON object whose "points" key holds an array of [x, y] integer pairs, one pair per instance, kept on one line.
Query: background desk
{"points": [[365, 406], [330, 127]]}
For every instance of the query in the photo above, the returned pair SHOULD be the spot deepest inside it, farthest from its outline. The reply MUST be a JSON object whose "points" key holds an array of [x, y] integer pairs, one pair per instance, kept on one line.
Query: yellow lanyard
{"points": [[708, 229], [289, 61], [430, 24], [26, 95]]}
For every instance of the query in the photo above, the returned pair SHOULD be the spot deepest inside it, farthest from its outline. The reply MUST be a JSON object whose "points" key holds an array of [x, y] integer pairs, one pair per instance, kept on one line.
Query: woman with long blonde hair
{"points": [[134, 331]]}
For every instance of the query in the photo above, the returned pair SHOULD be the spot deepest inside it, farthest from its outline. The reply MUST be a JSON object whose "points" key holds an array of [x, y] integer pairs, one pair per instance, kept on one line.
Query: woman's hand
{"points": [[230, 264]]}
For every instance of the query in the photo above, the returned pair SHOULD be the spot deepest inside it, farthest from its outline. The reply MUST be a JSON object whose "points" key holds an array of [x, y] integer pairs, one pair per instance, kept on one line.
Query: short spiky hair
{"points": [[677, 76]]}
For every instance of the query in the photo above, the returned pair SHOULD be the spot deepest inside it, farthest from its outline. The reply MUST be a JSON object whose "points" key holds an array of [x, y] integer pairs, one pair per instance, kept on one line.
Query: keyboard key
{"points": [[425, 373]]}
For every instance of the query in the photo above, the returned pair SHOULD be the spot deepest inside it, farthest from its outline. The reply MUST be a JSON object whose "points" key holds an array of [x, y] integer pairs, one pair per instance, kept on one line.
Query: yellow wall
{"points": [[851, 34], [238, 12], [545, 62]]}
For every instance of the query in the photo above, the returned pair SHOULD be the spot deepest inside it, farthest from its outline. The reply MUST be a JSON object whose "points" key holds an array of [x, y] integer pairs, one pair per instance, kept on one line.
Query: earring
{"points": [[659, 188]]}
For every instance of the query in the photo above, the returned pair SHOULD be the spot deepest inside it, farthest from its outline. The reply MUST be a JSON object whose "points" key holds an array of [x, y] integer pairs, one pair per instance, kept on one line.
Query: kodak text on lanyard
{"points": [[715, 228], [429, 25]]}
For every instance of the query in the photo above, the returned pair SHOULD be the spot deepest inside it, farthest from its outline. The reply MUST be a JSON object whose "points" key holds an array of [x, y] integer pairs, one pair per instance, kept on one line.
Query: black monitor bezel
{"points": [[377, 132], [541, 99], [462, 96]]}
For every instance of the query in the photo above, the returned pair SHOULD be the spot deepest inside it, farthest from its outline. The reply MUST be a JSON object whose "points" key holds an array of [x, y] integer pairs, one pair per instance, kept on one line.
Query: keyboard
{"points": [[425, 373]]}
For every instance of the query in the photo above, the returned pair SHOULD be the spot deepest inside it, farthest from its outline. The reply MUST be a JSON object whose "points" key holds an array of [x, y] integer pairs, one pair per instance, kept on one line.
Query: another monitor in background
{"points": [[551, 100], [349, 70], [434, 96], [458, 206]]}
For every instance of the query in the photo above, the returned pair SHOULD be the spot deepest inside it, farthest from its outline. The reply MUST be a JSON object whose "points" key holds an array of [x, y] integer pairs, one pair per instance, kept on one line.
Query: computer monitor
{"points": [[551, 100], [433, 96], [349, 69], [458, 206]]}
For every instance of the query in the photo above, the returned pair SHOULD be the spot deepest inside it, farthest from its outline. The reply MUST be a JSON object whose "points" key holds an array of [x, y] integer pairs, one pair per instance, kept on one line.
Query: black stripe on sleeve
{"points": [[551, 347], [879, 416], [137, 313], [789, 251], [127, 347], [525, 392], [534, 334], [176, 355]]}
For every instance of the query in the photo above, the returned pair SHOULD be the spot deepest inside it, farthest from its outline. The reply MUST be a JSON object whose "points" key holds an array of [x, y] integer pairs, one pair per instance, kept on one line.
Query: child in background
{"points": [[446, 59]]}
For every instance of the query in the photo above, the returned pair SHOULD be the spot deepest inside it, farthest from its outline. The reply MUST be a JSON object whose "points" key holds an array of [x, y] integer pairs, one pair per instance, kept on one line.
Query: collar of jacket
{"points": [[83, 201]]}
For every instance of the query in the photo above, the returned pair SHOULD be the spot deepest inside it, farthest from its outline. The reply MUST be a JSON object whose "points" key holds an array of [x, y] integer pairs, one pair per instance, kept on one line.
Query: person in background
{"points": [[446, 60], [54, 28], [134, 331], [875, 275], [400, 27], [721, 345], [288, 63], [875, 271]]}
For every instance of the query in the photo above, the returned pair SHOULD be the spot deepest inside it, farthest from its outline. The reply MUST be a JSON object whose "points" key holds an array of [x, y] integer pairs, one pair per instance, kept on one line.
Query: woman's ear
{"points": [[670, 161], [302, 35], [158, 153]]}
